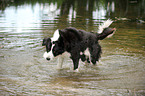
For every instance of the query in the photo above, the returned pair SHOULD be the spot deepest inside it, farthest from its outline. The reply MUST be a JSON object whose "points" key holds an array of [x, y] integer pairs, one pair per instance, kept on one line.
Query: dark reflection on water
{"points": [[23, 25]]}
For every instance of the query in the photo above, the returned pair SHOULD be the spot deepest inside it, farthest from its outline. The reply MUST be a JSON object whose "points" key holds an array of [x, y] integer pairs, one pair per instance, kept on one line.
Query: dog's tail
{"points": [[104, 30]]}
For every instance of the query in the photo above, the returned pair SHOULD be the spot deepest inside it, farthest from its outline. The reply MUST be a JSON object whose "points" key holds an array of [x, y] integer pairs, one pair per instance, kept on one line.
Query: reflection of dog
{"points": [[78, 44]]}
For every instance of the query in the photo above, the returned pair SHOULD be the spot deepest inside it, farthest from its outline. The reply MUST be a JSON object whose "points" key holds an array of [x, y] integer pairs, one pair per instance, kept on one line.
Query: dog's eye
{"points": [[53, 42]]}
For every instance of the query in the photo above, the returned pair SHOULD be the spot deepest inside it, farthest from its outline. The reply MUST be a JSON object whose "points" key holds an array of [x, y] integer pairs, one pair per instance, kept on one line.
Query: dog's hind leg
{"points": [[60, 62], [95, 52]]}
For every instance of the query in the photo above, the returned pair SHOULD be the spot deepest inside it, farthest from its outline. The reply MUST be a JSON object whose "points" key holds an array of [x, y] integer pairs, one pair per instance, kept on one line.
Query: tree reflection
{"points": [[132, 9], [86, 13], [64, 13], [81, 12]]}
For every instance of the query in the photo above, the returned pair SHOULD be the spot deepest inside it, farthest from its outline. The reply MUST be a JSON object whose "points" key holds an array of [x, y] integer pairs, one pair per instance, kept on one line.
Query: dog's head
{"points": [[54, 46]]}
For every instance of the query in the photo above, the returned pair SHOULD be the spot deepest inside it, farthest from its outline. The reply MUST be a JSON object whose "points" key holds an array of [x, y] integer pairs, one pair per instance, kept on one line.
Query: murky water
{"points": [[23, 70]]}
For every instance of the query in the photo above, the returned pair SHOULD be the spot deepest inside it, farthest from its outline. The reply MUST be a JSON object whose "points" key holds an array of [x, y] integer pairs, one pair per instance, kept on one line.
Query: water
{"points": [[23, 70]]}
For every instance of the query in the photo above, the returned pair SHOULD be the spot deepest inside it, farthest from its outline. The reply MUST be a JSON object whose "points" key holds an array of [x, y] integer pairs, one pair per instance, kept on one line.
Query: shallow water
{"points": [[23, 70]]}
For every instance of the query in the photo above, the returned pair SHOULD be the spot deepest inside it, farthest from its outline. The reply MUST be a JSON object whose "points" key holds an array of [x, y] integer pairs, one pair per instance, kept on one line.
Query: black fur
{"points": [[77, 41]]}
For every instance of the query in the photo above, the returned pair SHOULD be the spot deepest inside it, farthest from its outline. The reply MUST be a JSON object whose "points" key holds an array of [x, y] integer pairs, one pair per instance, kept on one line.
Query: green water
{"points": [[24, 71]]}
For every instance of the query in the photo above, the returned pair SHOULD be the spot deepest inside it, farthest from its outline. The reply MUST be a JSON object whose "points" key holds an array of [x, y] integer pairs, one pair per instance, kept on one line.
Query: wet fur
{"points": [[76, 43]]}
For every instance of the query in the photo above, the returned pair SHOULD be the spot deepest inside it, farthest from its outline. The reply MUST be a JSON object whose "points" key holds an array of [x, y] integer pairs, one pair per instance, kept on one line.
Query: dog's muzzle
{"points": [[48, 55], [48, 59]]}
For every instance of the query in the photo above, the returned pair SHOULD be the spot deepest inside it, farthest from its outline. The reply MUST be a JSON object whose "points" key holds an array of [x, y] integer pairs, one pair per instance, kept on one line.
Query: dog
{"points": [[79, 44]]}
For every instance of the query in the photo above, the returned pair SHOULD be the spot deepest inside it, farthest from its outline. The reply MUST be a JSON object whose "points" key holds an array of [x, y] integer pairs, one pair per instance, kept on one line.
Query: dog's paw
{"points": [[73, 71], [77, 70]]}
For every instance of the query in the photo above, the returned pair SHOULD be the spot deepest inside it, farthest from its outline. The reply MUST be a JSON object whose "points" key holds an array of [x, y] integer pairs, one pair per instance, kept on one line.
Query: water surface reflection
{"points": [[23, 25]]}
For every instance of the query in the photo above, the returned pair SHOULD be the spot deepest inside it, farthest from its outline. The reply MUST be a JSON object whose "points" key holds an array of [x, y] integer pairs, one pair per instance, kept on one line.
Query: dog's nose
{"points": [[48, 59]]}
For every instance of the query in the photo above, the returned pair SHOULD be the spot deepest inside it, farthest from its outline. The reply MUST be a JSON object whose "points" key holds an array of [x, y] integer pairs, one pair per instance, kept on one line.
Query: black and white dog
{"points": [[79, 44]]}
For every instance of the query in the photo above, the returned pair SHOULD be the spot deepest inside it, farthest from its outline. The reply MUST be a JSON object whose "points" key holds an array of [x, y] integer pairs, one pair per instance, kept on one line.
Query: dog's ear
{"points": [[45, 40]]}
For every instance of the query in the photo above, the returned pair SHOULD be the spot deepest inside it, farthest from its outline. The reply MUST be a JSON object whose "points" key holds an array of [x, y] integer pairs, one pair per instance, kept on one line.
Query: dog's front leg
{"points": [[60, 62], [75, 58], [76, 63]]}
